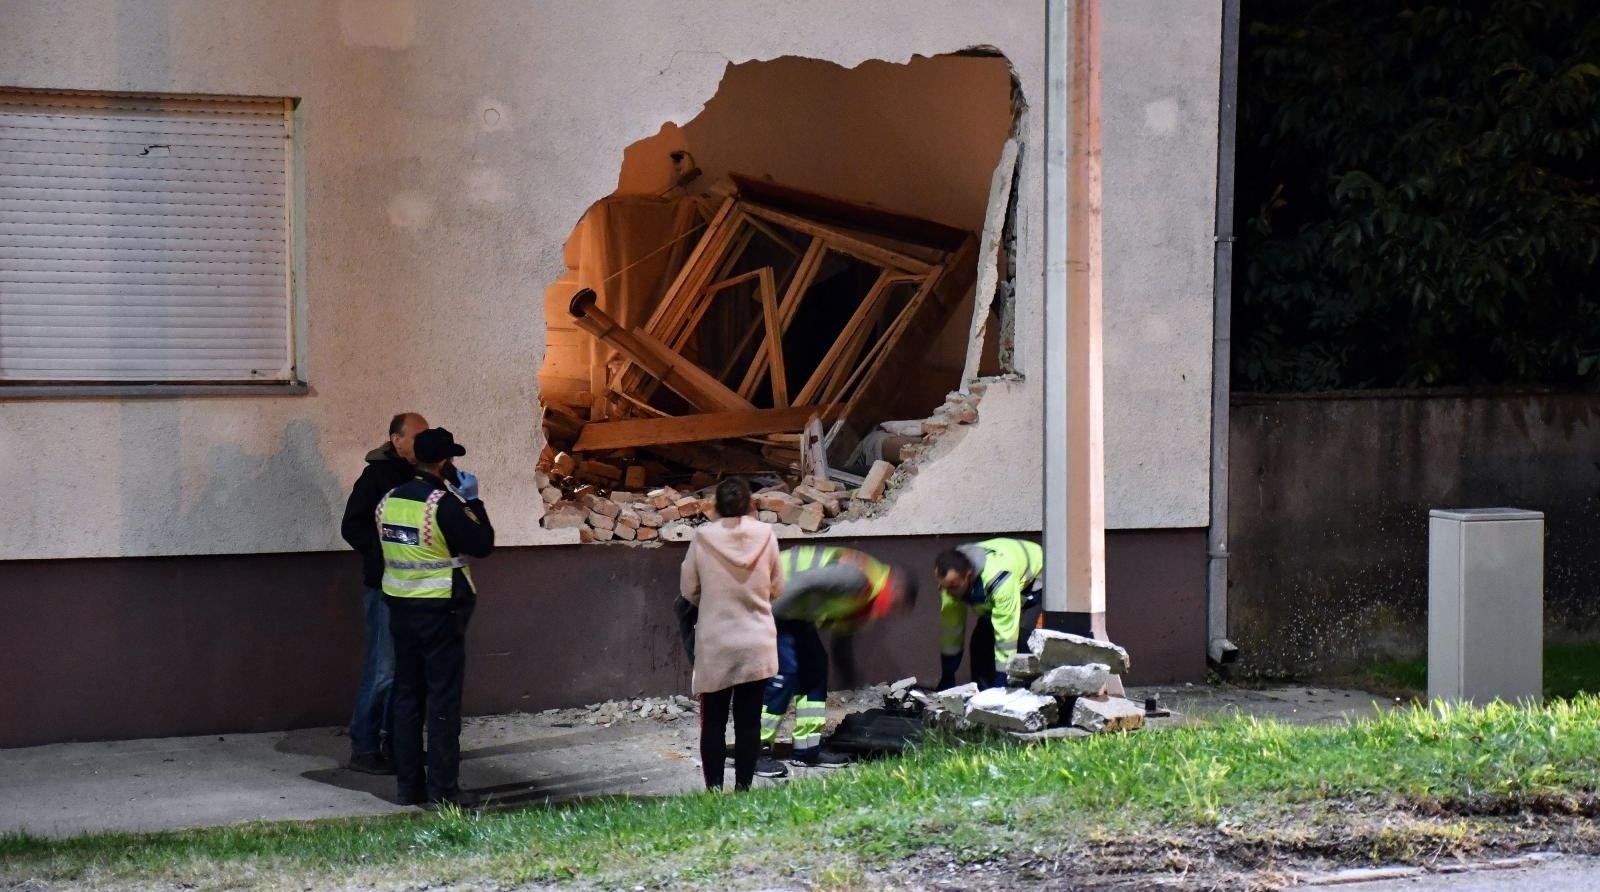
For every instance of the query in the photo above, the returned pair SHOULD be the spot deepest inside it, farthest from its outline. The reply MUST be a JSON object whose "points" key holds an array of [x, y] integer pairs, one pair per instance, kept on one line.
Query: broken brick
{"points": [[650, 519], [602, 535], [550, 494], [600, 471], [789, 513], [688, 506], [601, 522], [772, 501], [628, 518], [660, 498], [623, 499], [877, 480], [585, 535], [634, 477], [626, 533], [645, 534], [810, 518], [600, 506], [767, 516], [563, 465], [565, 516], [668, 514]]}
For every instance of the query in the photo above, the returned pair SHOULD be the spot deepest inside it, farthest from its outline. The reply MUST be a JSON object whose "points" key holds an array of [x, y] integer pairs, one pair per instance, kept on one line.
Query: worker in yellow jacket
{"points": [[828, 589], [1002, 582]]}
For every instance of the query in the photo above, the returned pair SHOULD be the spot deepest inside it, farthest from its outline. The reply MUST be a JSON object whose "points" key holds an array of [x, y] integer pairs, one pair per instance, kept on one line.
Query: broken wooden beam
{"points": [[606, 435], [657, 359]]}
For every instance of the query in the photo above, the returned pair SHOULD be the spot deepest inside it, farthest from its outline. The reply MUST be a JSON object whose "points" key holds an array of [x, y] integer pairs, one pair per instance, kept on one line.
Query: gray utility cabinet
{"points": [[1485, 604]]}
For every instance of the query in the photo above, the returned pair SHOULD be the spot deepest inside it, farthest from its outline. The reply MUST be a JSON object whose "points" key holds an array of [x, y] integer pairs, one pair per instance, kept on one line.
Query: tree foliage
{"points": [[1418, 201]]}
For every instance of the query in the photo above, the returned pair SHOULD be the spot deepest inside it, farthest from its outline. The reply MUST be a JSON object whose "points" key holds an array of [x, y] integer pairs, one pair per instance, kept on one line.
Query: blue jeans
{"points": [[377, 677]]}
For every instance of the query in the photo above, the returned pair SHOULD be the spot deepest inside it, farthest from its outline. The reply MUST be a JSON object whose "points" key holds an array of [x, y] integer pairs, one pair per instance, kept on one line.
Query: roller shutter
{"points": [[144, 239]]}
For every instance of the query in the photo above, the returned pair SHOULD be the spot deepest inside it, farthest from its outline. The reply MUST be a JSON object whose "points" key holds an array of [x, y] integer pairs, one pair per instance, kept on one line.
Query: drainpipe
{"points": [[1055, 311], [1219, 649]]}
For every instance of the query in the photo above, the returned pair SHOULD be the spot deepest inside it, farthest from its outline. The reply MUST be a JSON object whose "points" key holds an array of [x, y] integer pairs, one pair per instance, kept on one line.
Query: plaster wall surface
{"points": [[447, 151]]}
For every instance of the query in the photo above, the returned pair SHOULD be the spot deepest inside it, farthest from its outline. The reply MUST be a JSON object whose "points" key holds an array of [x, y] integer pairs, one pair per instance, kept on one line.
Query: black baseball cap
{"points": [[435, 445]]}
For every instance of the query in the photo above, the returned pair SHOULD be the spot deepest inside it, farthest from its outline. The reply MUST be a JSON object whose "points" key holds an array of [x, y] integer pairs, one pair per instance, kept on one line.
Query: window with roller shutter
{"points": [[145, 240]]}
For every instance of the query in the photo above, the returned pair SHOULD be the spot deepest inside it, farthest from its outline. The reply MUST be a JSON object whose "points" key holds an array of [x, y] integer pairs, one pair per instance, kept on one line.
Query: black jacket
{"points": [[384, 471], [466, 528]]}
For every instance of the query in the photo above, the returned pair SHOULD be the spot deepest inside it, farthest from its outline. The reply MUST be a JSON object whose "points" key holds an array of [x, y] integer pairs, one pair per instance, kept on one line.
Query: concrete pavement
{"points": [[1556, 874], [171, 783]]}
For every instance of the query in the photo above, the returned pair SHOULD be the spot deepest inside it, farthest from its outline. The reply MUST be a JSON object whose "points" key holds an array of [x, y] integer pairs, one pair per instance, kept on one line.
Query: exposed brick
{"points": [[647, 533], [602, 535], [600, 506], [601, 522], [877, 481], [625, 533], [650, 519], [628, 518], [810, 518], [669, 514], [565, 516]]}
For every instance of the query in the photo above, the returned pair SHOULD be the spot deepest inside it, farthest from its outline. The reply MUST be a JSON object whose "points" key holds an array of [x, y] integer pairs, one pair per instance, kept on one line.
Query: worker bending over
{"points": [[831, 589], [1001, 580]]}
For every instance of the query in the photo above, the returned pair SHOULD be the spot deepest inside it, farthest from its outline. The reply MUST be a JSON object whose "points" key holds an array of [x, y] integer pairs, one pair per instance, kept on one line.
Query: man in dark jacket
{"points": [[430, 528], [388, 466]]}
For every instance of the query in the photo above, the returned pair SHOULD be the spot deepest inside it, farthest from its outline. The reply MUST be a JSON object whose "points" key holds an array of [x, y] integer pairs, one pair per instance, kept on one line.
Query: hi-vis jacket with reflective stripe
{"points": [[425, 530], [1005, 569], [838, 589]]}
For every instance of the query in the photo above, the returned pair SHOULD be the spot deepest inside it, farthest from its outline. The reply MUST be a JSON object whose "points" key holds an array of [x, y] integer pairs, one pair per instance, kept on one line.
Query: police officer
{"points": [[832, 589], [428, 527], [1001, 580]]}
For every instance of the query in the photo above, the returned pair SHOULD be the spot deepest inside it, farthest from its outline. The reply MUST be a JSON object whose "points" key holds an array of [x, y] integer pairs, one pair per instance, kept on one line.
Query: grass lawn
{"points": [[1569, 670], [1405, 785]]}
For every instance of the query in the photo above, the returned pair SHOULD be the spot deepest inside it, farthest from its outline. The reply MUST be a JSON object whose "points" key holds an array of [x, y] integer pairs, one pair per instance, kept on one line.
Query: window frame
{"points": [[296, 384]]}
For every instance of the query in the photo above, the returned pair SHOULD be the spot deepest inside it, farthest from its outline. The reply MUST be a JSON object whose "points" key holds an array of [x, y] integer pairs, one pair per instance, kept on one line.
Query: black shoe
{"points": [[411, 799], [820, 758], [766, 766], [370, 763]]}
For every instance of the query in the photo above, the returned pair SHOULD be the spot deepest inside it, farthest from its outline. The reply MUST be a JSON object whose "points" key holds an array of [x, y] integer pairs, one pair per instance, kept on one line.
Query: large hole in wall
{"points": [[783, 288]]}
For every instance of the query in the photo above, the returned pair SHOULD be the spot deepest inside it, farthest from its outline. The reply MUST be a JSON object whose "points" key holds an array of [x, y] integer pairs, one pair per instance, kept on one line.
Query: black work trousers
{"points": [[430, 658], [744, 700], [981, 646]]}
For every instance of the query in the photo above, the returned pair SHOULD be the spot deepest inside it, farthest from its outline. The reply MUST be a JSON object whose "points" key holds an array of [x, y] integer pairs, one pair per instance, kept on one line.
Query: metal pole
{"points": [[1055, 310], [1219, 649]]}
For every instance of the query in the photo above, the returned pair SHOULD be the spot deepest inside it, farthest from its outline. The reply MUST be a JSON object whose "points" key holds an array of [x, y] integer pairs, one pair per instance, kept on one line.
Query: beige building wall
{"points": [[448, 150]]}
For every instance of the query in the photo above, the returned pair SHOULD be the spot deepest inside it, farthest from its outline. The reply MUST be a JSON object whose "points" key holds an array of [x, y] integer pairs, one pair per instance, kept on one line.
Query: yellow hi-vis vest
{"points": [[838, 609], [417, 562]]}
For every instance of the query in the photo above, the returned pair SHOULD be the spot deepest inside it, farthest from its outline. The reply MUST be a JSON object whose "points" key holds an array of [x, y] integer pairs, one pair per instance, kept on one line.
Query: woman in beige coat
{"points": [[731, 573]]}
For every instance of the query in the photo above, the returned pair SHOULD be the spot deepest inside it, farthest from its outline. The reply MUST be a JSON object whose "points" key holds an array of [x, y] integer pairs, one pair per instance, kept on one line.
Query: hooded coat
{"points": [[731, 574], [384, 471]]}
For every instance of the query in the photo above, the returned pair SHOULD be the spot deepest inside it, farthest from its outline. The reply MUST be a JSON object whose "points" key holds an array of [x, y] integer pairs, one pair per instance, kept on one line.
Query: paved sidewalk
{"points": [[170, 783]]}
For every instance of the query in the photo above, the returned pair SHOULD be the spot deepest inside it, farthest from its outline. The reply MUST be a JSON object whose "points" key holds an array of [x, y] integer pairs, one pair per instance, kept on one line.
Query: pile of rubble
{"points": [[611, 712], [1061, 682], [578, 494]]}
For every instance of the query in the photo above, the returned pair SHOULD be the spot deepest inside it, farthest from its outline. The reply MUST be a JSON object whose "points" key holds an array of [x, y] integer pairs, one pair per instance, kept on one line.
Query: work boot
{"points": [[819, 758], [766, 766], [370, 763]]}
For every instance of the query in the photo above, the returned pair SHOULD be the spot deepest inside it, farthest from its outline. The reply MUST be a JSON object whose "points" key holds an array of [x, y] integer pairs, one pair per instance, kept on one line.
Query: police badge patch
{"points": [[400, 535]]}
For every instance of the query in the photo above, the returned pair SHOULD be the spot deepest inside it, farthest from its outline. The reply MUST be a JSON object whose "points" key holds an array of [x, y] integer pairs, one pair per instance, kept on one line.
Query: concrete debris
{"points": [[1073, 681], [1065, 649], [904, 696], [677, 531], [661, 709], [946, 720], [1023, 668], [955, 699], [1012, 709], [1110, 714]]}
